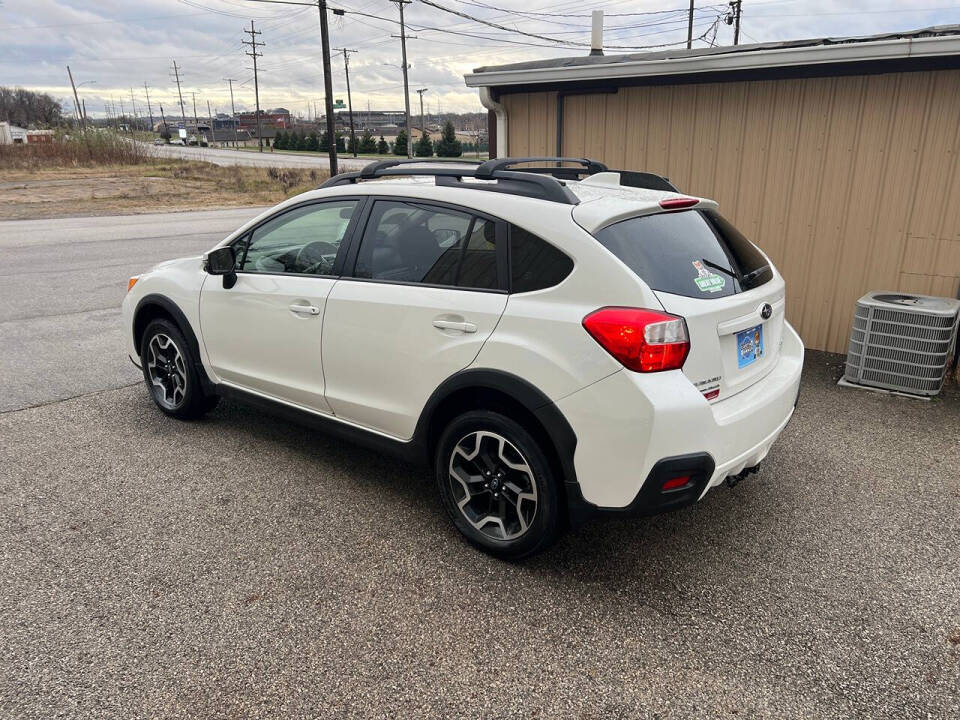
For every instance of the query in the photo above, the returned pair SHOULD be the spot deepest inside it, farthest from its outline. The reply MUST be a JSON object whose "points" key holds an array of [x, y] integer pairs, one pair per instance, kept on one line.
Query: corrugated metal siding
{"points": [[849, 183]]}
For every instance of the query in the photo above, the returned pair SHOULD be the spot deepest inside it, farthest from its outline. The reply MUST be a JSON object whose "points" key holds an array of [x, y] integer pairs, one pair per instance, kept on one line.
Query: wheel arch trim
{"points": [[552, 420], [179, 317]]}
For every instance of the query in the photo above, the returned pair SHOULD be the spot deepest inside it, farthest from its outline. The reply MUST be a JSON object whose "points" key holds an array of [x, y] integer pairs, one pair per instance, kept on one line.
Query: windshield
{"points": [[695, 253]]}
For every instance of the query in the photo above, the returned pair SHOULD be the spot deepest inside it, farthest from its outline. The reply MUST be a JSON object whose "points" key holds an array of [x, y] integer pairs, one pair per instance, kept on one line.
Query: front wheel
{"points": [[497, 485], [170, 373]]}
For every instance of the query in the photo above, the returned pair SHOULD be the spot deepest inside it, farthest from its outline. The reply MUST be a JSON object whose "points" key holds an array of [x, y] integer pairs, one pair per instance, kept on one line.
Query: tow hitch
{"points": [[732, 480]]}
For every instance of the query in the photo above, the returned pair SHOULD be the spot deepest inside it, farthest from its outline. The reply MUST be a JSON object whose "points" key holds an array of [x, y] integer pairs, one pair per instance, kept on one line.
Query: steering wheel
{"points": [[314, 256]]}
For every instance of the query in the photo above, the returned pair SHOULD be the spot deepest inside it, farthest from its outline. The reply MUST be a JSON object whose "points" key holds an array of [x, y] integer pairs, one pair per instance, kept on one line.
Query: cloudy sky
{"points": [[115, 45]]}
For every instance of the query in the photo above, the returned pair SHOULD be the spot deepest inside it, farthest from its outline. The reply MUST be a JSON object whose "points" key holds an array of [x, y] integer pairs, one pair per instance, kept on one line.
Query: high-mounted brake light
{"points": [[678, 203], [642, 340]]}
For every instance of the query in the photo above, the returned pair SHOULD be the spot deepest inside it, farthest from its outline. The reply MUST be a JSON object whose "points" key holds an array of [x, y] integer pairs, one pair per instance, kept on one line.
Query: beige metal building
{"points": [[839, 157]]}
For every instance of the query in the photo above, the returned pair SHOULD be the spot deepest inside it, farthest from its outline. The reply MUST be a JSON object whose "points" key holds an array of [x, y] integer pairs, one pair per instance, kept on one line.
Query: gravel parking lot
{"points": [[245, 567]]}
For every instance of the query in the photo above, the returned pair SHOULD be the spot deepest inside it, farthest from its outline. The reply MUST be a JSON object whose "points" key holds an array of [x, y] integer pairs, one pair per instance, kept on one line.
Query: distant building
{"points": [[12, 135], [275, 120], [39, 136], [378, 122]]}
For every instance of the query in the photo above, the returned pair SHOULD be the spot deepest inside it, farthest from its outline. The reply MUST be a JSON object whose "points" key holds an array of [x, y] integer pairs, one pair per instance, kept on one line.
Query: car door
{"points": [[427, 287], [263, 333]]}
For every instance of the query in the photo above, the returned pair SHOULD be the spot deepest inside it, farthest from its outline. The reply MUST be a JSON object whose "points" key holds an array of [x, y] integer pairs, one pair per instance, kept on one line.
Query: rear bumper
{"points": [[629, 422]]}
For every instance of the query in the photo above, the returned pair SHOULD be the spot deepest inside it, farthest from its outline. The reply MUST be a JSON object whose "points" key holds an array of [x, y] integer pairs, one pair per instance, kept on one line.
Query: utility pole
{"points": [[196, 123], [736, 7], [423, 127], [183, 112], [149, 108], [233, 113], [134, 103], [406, 85], [76, 103], [327, 86], [346, 68], [123, 113], [690, 28], [83, 103], [252, 42], [210, 119], [163, 119]]}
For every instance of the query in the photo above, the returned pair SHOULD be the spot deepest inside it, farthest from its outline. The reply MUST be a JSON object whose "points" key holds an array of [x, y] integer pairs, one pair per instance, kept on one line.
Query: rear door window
{"points": [[412, 242], [694, 253]]}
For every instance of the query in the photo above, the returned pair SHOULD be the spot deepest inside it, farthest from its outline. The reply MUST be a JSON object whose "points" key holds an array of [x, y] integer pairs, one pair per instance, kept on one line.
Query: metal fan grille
{"points": [[901, 350]]}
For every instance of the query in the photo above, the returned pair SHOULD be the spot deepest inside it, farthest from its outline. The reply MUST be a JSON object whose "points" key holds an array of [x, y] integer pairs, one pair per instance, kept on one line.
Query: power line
{"points": [[574, 15], [558, 42]]}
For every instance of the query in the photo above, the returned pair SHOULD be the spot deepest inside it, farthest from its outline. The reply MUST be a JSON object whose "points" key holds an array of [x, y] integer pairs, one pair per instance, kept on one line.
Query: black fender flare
{"points": [[558, 430], [193, 345]]}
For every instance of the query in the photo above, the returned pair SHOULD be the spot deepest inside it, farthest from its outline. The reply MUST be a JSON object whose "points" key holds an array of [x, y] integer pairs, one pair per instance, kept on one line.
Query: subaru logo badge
{"points": [[766, 310]]}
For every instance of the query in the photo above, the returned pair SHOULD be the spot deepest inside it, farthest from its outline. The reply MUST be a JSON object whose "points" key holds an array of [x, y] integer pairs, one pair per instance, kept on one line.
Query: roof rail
{"points": [[370, 170], [628, 178], [514, 183], [540, 182], [487, 169]]}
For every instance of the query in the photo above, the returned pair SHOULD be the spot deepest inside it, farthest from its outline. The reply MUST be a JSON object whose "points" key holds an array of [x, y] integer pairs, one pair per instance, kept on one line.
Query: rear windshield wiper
{"points": [[754, 273], [725, 271]]}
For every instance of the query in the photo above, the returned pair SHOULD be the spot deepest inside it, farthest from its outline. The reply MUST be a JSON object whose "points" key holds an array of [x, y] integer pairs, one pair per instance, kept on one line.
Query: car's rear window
{"points": [[695, 253]]}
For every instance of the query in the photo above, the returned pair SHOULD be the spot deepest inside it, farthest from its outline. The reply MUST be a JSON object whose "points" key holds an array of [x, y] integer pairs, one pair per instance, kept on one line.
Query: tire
{"points": [[170, 373], [497, 486]]}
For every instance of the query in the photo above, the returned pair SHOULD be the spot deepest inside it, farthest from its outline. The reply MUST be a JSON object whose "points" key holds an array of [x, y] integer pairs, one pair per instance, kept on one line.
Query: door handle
{"points": [[305, 309], [466, 327]]}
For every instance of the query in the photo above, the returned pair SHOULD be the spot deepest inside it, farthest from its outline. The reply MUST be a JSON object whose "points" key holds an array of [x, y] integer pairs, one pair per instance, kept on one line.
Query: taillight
{"points": [[678, 203], [642, 340]]}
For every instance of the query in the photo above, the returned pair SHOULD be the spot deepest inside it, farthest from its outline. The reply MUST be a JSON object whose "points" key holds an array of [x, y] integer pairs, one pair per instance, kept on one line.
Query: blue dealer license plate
{"points": [[749, 346]]}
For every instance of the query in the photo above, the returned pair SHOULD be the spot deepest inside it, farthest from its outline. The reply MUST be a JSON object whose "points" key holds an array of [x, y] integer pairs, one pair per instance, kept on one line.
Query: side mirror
{"points": [[222, 261]]}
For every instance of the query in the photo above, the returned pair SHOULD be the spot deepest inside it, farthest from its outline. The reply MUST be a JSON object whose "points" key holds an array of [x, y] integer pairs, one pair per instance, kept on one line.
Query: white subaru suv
{"points": [[554, 341]]}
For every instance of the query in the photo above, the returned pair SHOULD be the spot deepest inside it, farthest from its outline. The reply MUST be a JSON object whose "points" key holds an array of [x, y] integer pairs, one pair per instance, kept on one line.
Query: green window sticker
{"points": [[708, 281]]}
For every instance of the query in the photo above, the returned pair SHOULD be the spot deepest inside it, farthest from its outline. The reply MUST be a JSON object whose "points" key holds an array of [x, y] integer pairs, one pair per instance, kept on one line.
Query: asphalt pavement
{"points": [[243, 566], [61, 284], [254, 159]]}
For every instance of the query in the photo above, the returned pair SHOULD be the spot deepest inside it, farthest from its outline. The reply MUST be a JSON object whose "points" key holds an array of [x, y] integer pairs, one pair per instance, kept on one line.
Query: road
{"points": [[243, 566], [61, 284], [254, 159]]}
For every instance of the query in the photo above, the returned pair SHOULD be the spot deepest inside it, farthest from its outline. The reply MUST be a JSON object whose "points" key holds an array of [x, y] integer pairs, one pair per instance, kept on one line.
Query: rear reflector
{"points": [[676, 483], [642, 340], [678, 203], [712, 394]]}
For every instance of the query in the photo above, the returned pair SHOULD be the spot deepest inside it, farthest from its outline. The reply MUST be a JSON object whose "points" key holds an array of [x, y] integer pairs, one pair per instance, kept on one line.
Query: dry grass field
{"points": [[106, 175]]}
